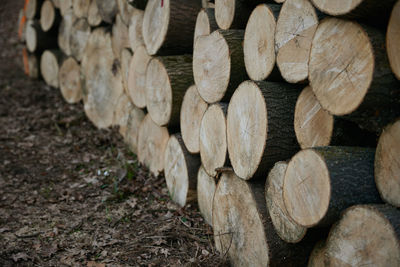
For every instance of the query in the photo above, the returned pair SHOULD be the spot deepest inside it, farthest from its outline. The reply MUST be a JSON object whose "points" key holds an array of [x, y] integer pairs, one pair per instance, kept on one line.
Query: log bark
{"points": [[168, 28], [32, 10], [49, 17], [121, 114], [322, 182], [295, 28], [213, 144], [135, 29], [107, 10], [387, 165], [81, 8], [137, 77], [50, 64], [180, 170], [135, 118], [152, 142], [126, 57], [139, 4], [259, 41], [70, 81], [94, 18], [205, 23], [64, 33], [167, 79], [125, 11], [357, 80], [36, 39], [243, 229], [393, 40], [103, 81], [365, 235], [192, 111], [315, 127], [218, 65], [79, 37], [120, 37], [260, 127], [65, 6], [287, 229], [206, 186]]}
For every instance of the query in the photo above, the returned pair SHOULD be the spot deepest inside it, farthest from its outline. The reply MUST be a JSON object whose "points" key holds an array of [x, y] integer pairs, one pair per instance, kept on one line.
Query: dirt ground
{"points": [[71, 195]]}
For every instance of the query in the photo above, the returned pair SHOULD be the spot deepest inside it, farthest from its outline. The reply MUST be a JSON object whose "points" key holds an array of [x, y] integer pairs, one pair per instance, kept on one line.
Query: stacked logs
{"points": [[279, 118]]}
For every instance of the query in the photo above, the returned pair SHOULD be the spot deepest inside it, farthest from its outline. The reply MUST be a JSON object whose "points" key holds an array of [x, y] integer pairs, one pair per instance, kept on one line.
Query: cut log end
{"points": [[135, 29], [49, 67], [213, 145], [259, 43], [205, 23], [393, 40], [121, 114], [94, 18], [47, 15], [70, 81], [126, 57], [340, 77], [224, 13], [285, 227], [135, 118], [312, 124], [64, 33], [336, 8], [31, 36], [81, 8], [79, 36], [120, 37], [387, 165], [192, 111], [205, 194]]}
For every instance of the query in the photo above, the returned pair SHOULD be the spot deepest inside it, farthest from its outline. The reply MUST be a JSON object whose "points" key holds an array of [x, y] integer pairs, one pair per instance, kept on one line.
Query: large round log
{"points": [[213, 145], [168, 26], [192, 111], [70, 81], [295, 29], [287, 229], [126, 57], [322, 182], [152, 141], [387, 164], [135, 118], [120, 37], [356, 78], [121, 113], [243, 229], [366, 235], [234, 14], [260, 127], [167, 79], [50, 64], [49, 17], [393, 40], [102, 74], [206, 186], [81, 8], [79, 37], [218, 65], [32, 9], [135, 29], [65, 6], [64, 32], [180, 170], [94, 18], [107, 10], [125, 11], [139, 4], [36, 39], [259, 41], [137, 77], [205, 23]]}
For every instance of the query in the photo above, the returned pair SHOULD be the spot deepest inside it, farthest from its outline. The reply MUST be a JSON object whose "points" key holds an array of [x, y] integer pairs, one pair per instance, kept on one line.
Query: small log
{"points": [[317, 257], [135, 118], [366, 235], [387, 164], [49, 17], [126, 57], [192, 111], [358, 78], [121, 114], [135, 29], [287, 229], [259, 41], [152, 142], [70, 81], [205, 23], [107, 10], [120, 37], [180, 170], [393, 40], [64, 33], [167, 79], [139, 4], [102, 79], [206, 186], [36, 39], [79, 37], [32, 10], [168, 27], [65, 6], [260, 127], [243, 229], [295, 28], [94, 18], [322, 182], [315, 127], [31, 64], [81, 8], [218, 65], [213, 146], [137, 77], [125, 11], [50, 63]]}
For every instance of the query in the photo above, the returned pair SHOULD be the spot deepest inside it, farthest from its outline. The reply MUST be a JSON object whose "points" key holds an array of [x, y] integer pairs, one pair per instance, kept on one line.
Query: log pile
{"points": [[279, 117]]}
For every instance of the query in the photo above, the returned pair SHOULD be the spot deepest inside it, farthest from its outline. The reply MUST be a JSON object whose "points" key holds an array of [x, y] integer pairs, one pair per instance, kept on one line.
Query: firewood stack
{"points": [[279, 117]]}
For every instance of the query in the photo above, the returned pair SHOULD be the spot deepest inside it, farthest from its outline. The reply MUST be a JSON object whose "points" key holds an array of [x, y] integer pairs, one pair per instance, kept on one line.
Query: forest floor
{"points": [[72, 195]]}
